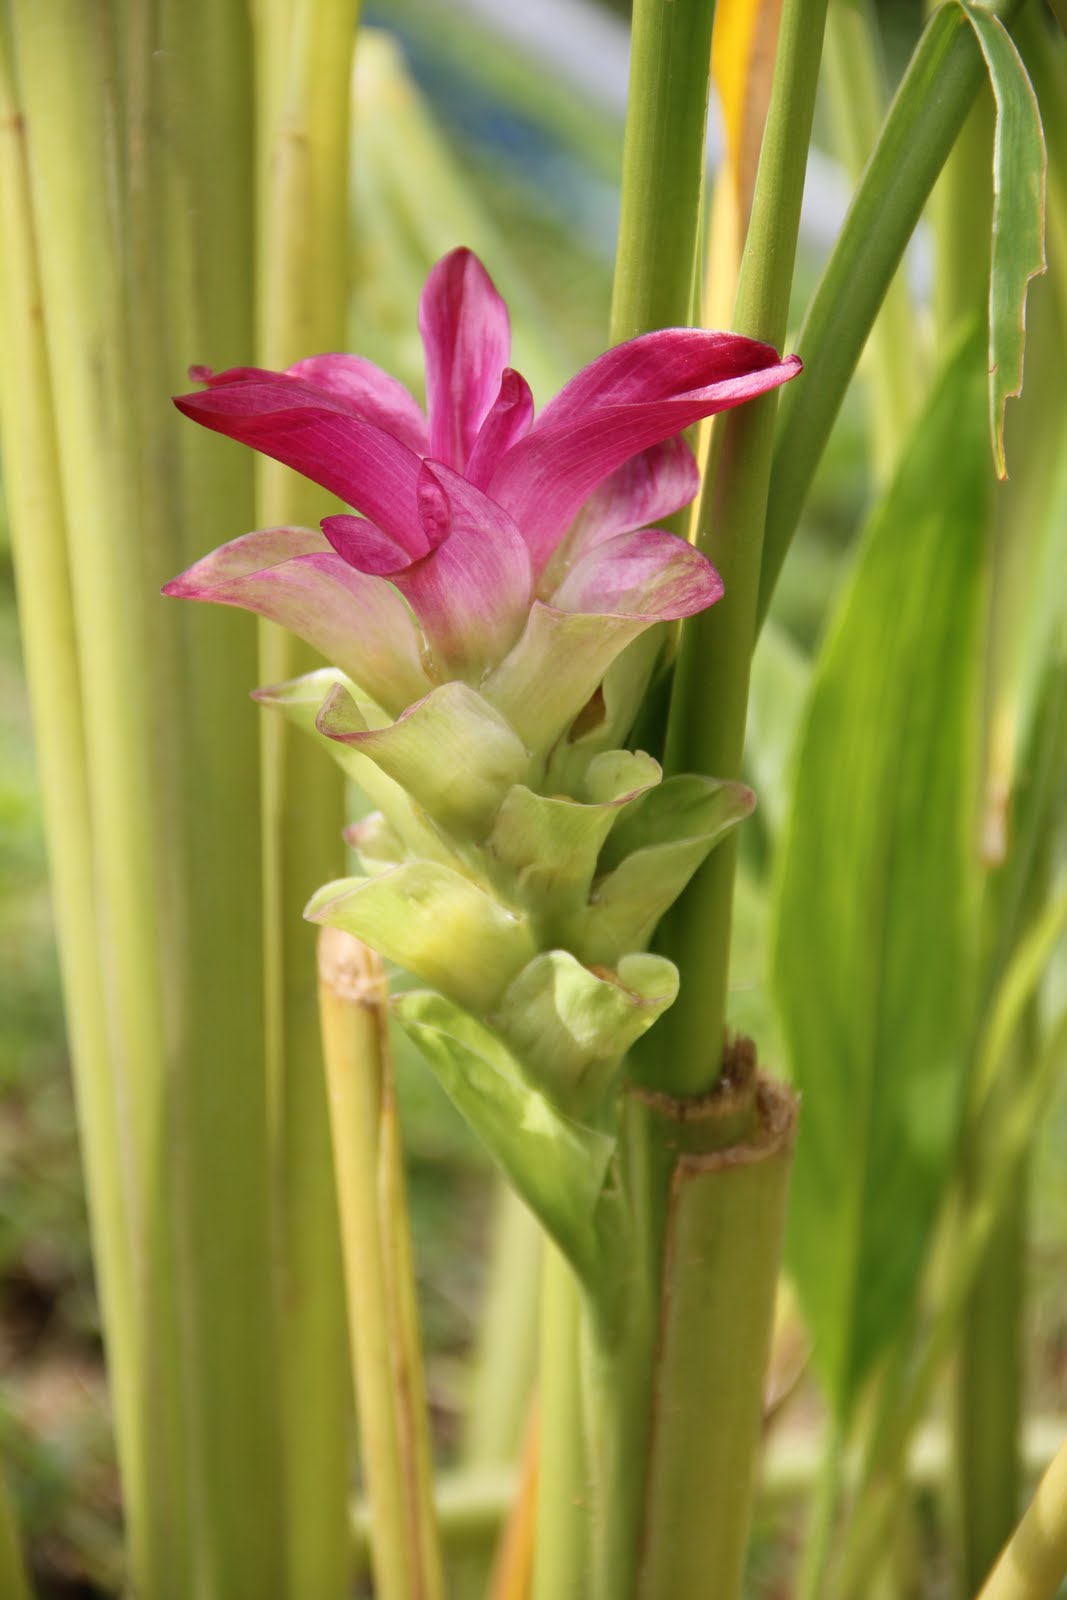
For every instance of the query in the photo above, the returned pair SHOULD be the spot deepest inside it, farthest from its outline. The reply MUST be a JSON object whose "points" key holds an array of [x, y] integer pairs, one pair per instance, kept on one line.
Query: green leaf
{"points": [[558, 1166], [435, 923], [570, 1026], [1018, 213], [874, 946]]}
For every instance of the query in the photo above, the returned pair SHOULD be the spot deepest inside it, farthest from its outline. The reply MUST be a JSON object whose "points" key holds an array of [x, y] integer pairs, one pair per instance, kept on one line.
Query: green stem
{"points": [[724, 1240], [1034, 1562], [66, 72], [626, 1372], [856, 85], [304, 56], [46, 622], [921, 126], [378, 1276], [663, 166], [188, 88], [561, 1563], [706, 729]]}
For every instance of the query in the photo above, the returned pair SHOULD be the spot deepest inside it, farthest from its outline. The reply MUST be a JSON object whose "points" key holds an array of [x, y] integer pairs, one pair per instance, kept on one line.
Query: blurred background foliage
{"points": [[501, 131]]}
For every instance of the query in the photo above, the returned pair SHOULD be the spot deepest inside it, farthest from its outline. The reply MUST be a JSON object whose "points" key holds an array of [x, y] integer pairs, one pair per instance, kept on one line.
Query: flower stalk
{"points": [[304, 53], [378, 1276], [696, 934]]}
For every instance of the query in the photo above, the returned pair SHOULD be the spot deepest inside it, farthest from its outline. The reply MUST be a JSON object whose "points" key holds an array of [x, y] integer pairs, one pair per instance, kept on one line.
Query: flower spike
{"points": [[478, 598]]}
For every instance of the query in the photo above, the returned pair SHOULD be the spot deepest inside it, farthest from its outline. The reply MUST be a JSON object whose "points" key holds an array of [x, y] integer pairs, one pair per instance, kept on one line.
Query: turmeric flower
{"points": [[483, 540]]}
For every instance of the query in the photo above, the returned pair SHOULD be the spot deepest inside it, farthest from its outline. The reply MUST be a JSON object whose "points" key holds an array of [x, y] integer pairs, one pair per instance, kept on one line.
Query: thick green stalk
{"points": [[663, 166], [622, 1318], [14, 1582], [724, 1239], [1034, 1562], [858, 95], [378, 1277], [921, 126], [66, 72], [709, 702], [190, 240], [561, 1564], [46, 623], [304, 56]]}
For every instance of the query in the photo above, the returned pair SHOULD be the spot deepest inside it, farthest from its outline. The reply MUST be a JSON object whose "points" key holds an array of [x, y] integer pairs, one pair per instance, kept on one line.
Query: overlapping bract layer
{"points": [[478, 603], [524, 909]]}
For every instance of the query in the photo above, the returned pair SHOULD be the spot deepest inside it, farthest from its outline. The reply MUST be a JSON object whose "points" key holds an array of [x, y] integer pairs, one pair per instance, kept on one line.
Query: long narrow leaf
{"points": [[875, 896], [1018, 214]]}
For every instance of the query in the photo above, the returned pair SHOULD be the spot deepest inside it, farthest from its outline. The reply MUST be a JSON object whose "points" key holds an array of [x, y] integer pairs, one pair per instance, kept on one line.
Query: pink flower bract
{"points": [[479, 513]]}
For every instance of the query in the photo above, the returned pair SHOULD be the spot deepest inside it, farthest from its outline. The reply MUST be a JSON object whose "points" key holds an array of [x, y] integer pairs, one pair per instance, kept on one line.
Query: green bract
{"points": [[524, 903]]}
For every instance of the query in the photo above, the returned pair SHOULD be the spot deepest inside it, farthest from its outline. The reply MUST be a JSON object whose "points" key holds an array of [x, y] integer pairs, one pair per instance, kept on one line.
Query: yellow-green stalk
{"points": [[378, 1276], [46, 621], [65, 70], [564, 1503], [1034, 1561], [304, 60], [189, 227]]}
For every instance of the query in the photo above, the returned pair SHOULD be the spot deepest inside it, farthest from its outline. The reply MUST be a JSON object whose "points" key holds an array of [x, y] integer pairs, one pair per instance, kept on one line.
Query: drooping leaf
{"points": [[875, 907], [1018, 213], [557, 1165]]}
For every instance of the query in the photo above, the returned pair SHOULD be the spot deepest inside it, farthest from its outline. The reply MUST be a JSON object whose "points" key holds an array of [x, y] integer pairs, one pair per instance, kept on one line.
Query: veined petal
{"points": [[369, 393], [650, 486], [647, 573], [291, 575], [633, 396], [318, 436], [368, 549], [467, 339], [507, 421], [472, 594]]}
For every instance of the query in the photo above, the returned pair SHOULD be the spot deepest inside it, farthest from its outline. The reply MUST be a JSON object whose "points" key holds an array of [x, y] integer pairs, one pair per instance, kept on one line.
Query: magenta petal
{"points": [[317, 436], [368, 549], [635, 395], [508, 421], [291, 575], [466, 336], [369, 393], [472, 595], [646, 573], [650, 486]]}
